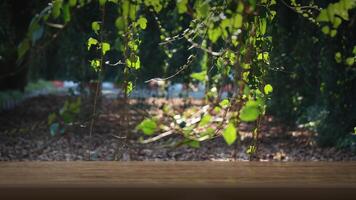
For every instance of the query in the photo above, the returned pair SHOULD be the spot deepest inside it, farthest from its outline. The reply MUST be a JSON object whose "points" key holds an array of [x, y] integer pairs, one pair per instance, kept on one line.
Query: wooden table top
{"points": [[177, 174]]}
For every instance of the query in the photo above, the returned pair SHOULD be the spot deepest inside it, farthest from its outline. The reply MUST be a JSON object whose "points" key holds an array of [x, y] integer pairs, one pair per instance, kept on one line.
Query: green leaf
{"points": [[214, 34], [23, 47], [323, 16], [354, 50], [202, 8], [268, 89], [120, 23], [263, 26], [95, 64], [200, 76], [102, 2], [230, 134], [192, 143], [182, 6], [350, 61], [263, 56], [129, 87], [133, 10], [132, 45], [134, 62], [205, 120], [105, 47], [142, 22], [56, 9], [66, 13], [251, 150], [337, 21], [147, 126], [95, 26], [325, 30], [92, 41], [250, 111], [224, 103], [156, 4], [252, 3], [333, 33], [72, 3], [338, 57], [125, 9], [237, 21]]}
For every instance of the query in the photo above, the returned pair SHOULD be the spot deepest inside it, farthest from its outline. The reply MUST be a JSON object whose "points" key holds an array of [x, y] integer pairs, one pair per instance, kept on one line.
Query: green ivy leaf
{"points": [[132, 45], [105, 47], [350, 61], [120, 23], [147, 126], [202, 8], [66, 13], [237, 21], [263, 56], [125, 9], [214, 34], [224, 103], [92, 41], [95, 64], [129, 87], [338, 57], [250, 111], [268, 89], [134, 62], [133, 10], [337, 21], [72, 3], [95, 26], [156, 4], [230, 134], [263, 26], [56, 9], [142, 22], [192, 143], [333, 33], [252, 3], [251, 150], [205, 120], [102, 2], [325, 30], [200, 76], [182, 6], [323, 16]]}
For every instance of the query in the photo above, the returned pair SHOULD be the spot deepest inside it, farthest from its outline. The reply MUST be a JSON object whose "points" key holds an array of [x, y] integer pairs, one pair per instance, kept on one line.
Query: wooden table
{"points": [[178, 180]]}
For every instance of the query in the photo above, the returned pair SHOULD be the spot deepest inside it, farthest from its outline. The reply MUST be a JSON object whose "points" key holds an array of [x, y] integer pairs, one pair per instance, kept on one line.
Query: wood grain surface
{"points": [[178, 174]]}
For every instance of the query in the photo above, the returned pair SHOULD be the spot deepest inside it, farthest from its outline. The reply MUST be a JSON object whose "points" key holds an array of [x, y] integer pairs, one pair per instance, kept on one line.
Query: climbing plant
{"points": [[231, 41]]}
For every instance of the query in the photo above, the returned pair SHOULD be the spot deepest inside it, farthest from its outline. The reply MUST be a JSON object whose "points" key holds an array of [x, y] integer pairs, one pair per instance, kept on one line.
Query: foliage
{"points": [[297, 57], [147, 126], [57, 121], [313, 82]]}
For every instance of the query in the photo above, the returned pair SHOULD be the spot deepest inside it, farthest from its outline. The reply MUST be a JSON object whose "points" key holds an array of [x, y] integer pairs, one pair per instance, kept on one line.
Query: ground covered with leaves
{"points": [[25, 135]]}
